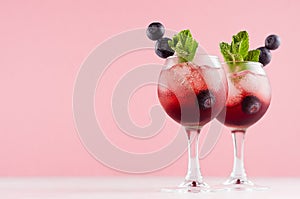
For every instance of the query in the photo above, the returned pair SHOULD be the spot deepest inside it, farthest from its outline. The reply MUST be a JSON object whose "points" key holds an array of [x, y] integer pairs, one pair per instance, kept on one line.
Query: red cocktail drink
{"points": [[192, 94], [248, 99]]}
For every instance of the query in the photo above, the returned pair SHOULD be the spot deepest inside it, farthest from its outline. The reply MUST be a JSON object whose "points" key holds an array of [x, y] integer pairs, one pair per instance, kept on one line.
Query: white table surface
{"points": [[132, 188]]}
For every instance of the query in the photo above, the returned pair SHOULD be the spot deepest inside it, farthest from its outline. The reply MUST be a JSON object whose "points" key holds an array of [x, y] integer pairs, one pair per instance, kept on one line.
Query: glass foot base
{"points": [[188, 187], [236, 184]]}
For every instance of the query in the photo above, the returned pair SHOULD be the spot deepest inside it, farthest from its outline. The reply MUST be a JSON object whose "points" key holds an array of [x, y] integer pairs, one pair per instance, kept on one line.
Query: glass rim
{"points": [[250, 62], [239, 66], [206, 55]]}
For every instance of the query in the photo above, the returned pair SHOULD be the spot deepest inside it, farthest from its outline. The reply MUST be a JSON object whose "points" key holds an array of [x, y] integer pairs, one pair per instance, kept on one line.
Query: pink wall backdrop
{"points": [[43, 43]]}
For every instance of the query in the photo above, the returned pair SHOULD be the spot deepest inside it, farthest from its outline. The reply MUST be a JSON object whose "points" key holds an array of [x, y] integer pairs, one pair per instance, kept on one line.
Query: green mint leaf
{"points": [[234, 47], [226, 51], [172, 43], [184, 45], [238, 51], [238, 57], [244, 43], [240, 44], [253, 55]]}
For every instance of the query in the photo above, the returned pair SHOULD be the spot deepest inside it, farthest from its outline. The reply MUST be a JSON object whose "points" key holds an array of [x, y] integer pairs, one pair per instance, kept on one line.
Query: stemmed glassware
{"points": [[249, 96], [192, 94]]}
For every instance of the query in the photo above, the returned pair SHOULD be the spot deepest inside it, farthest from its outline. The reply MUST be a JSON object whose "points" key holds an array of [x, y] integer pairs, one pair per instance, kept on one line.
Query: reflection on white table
{"points": [[132, 187]]}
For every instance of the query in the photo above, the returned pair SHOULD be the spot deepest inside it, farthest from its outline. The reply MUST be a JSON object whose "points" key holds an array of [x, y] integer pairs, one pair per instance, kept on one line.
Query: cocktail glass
{"points": [[192, 94], [249, 96]]}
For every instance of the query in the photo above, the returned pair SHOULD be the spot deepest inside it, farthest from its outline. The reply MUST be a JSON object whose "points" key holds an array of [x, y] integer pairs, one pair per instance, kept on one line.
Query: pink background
{"points": [[42, 45]]}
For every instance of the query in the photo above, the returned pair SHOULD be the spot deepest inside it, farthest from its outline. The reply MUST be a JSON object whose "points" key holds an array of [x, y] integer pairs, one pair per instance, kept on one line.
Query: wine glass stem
{"points": [[193, 173], [238, 171]]}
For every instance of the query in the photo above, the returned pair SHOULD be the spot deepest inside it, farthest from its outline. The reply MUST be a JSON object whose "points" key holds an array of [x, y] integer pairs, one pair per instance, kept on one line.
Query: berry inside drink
{"points": [[192, 95], [248, 99]]}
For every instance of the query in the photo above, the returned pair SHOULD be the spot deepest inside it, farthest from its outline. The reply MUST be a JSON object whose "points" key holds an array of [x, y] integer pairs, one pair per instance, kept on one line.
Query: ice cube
{"points": [[196, 80], [213, 78], [250, 82], [234, 91], [181, 70], [175, 77], [256, 84]]}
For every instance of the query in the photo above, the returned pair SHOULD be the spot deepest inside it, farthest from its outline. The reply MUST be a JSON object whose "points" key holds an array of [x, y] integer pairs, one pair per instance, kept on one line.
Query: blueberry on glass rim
{"points": [[162, 48], [251, 104], [265, 55], [272, 42], [155, 31]]}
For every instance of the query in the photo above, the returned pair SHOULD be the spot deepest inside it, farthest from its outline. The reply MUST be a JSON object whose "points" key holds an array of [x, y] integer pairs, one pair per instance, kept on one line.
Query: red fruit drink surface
{"points": [[249, 96], [192, 95]]}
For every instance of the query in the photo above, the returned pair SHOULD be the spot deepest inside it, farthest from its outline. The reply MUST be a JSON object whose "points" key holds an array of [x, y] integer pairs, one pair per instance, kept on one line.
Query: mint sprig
{"points": [[184, 45], [253, 55], [238, 50]]}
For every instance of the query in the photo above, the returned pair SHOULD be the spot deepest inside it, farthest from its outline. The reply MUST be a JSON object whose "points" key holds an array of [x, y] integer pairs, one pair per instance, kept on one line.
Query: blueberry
{"points": [[251, 104], [272, 42], [155, 31], [162, 48], [205, 99], [265, 55]]}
